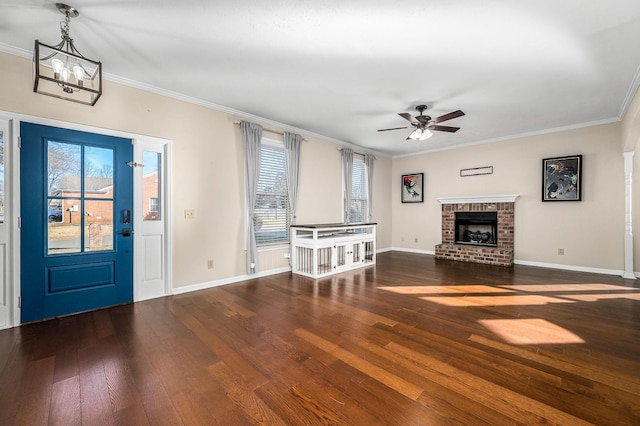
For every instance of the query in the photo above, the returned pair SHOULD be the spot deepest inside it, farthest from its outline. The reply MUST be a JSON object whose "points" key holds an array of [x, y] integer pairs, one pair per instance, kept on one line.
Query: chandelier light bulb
{"points": [[57, 66], [65, 74], [79, 73]]}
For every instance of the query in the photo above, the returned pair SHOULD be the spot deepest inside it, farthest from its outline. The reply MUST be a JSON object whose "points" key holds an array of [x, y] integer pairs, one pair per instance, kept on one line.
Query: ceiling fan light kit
{"points": [[424, 124], [62, 71], [420, 134]]}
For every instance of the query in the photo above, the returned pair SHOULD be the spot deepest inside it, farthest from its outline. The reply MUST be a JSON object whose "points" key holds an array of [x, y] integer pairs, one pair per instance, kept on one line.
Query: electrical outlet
{"points": [[210, 264], [189, 213], [287, 255], [415, 240], [560, 252]]}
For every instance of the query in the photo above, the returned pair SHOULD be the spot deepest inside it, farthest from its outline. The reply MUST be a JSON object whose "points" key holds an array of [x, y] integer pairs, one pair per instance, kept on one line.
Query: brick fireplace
{"points": [[501, 253]]}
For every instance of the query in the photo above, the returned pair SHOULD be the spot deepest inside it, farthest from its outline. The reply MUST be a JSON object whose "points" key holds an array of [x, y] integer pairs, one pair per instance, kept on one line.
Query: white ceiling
{"points": [[343, 69]]}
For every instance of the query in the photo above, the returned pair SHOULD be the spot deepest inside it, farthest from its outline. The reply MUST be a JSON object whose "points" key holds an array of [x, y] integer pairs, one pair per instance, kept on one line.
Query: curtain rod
{"points": [[359, 153], [237, 122]]}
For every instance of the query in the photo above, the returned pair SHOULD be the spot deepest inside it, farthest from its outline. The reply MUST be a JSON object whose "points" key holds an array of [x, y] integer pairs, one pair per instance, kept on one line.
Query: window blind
{"points": [[272, 206], [358, 191]]}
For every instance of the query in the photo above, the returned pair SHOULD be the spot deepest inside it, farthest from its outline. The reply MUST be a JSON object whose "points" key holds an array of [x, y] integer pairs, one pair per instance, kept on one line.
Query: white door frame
{"points": [[11, 287], [6, 292]]}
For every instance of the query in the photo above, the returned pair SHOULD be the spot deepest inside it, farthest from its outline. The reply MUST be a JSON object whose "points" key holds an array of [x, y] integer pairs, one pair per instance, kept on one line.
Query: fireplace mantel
{"points": [[479, 199]]}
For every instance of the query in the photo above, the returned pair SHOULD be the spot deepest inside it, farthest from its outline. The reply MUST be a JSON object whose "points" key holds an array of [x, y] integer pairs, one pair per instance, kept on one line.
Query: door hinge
{"points": [[19, 302], [19, 142], [19, 222], [134, 164]]}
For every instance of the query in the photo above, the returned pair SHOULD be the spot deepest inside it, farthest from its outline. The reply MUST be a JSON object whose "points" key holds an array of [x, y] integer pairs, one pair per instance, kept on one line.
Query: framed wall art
{"points": [[562, 178], [413, 188]]}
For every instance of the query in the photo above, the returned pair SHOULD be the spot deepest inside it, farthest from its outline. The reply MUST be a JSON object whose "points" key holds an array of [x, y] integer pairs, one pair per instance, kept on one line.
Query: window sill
{"points": [[272, 247]]}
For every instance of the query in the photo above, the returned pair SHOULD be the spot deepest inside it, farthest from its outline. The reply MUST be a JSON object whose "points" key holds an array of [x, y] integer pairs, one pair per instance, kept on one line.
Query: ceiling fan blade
{"points": [[409, 117], [394, 128], [451, 115], [444, 128]]}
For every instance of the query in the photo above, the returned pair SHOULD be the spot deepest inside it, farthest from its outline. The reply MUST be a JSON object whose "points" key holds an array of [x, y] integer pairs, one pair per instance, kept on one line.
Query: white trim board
{"points": [[230, 280], [536, 264], [574, 268], [479, 199]]}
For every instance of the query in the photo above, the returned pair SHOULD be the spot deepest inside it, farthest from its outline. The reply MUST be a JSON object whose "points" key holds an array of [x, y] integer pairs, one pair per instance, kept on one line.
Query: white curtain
{"points": [[347, 173], [252, 136], [368, 162], [292, 160]]}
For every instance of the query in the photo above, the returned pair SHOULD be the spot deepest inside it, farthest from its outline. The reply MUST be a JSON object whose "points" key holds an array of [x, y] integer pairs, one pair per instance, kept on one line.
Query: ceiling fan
{"points": [[423, 124]]}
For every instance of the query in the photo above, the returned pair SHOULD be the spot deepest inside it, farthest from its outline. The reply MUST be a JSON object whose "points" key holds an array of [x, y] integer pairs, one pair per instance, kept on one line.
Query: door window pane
{"points": [[98, 172], [64, 226], [98, 225], [151, 206], [63, 215], [64, 166]]}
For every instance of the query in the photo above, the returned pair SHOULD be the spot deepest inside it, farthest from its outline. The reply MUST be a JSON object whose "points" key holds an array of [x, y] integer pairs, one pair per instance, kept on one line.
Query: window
{"points": [[151, 181], [80, 198], [153, 205], [358, 209], [272, 204]]}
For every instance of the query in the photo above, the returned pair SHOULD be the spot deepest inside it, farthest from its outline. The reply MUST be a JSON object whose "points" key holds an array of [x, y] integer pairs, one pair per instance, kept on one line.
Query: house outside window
{"points": [[153, 204], [272, 204], [358, 208]]}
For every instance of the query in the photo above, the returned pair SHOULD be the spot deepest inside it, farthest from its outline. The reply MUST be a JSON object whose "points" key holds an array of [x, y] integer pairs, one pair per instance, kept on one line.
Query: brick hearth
{"points": [[501, 255]]}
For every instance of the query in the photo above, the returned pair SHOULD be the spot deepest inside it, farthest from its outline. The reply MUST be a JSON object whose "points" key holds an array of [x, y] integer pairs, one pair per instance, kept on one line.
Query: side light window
{"points": [[152, 175]]}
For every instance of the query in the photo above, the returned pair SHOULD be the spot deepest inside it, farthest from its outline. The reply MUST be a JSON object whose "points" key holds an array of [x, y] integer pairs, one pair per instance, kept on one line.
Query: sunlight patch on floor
{"points": [[530, 331], [516, 300], [567, 287], [486, 295], [596, 297], [438, 289]]}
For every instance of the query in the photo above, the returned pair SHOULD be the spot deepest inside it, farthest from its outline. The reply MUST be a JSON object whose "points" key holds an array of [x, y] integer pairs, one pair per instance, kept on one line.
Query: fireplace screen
{"points": [[477, 228]]}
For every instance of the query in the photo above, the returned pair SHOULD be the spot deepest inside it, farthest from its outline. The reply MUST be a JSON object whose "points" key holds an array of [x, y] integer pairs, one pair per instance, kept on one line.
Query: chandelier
{"points": [[62, 71]]}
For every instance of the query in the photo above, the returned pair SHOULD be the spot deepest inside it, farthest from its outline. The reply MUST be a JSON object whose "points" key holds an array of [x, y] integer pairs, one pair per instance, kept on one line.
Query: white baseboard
{"points": [[230, 280], [588, 269]]}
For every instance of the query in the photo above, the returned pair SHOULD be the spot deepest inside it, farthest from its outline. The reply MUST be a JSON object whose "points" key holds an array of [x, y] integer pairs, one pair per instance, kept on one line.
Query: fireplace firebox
{"points": [[500, 252], [476, 228]]}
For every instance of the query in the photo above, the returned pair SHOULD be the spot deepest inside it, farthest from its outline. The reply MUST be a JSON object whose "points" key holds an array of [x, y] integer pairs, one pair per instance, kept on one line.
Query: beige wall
{"points": [[591, 231], [208, 177], [208, 170]]}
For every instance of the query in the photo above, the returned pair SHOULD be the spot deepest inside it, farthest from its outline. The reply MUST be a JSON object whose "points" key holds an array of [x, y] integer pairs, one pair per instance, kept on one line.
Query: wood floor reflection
{"points": [[410, 341]]}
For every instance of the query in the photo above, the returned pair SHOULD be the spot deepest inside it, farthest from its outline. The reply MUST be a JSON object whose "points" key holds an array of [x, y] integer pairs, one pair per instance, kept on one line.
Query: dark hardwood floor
{"points": [[411, 341]]}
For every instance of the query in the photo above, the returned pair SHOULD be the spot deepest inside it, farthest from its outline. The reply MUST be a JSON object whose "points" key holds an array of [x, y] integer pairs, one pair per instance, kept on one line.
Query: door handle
{"points": [[126, 232]]}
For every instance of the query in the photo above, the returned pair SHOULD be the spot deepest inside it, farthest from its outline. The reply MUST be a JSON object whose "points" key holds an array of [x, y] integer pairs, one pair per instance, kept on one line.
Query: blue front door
{"points": [[76, 198]]}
